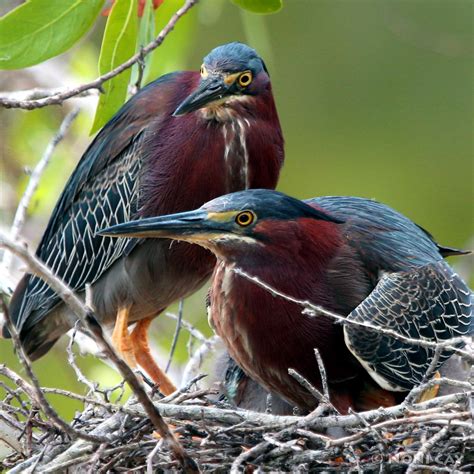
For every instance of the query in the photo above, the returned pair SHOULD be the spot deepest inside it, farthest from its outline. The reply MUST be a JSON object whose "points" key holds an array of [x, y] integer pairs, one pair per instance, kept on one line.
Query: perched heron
{"points": [[182, 140], [352, 256]]}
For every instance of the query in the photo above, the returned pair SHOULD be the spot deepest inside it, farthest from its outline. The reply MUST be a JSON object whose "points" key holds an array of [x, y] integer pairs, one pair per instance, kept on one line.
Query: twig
{"points": [[183, 389], [196, 333], [435, 417], [72, 362], [40, 93], [425, 448], [195, 362], [176, 334], [66, 93], [418, 389], [38, 394], [95, 459], [322, 372], [88, 320], [313, 310], [245, 455], [34, 180], [311, 389], [149, 459]]}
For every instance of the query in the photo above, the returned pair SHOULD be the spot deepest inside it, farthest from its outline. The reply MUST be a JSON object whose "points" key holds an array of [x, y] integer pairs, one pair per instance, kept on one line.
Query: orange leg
{"points": [[430, 393], [142, 354], [121, 337]]}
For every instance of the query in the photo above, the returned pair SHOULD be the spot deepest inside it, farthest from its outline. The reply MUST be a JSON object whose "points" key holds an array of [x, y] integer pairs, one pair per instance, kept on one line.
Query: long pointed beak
{"points": [[210, 89], [181, 226]]}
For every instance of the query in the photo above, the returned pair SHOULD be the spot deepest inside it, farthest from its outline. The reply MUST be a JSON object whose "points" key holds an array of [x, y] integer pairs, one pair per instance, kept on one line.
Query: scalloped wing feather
{"points": [[431, 302]]}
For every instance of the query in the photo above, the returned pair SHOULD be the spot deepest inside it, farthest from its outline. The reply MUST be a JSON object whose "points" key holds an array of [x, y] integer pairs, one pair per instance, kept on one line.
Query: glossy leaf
{"points": [[146, 33], [40, 29], [260, 6], [118, 45], [173, 53]]}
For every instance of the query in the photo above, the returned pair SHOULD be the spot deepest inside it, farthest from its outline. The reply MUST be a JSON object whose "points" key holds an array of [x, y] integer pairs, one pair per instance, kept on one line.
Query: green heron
{"points": [[353, 256], [182, 140]]}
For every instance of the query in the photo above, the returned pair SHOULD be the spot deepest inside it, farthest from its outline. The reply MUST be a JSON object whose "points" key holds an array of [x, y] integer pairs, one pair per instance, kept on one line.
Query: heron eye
{"points": [[245, 218], [203, 71], [245, 79]]}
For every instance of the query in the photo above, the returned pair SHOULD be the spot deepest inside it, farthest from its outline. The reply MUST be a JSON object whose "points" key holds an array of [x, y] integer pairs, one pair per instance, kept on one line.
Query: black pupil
{"points": [[244, 219], [245, 79]]}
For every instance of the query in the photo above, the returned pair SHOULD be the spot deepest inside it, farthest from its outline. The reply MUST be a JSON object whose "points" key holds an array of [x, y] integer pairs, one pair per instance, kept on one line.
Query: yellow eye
{"points": [[203, 71], [245, 79], [245, 218]]}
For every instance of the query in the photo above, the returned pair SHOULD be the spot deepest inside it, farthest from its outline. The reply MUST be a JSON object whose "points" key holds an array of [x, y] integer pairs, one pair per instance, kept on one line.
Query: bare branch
{"points": [[307, 385], [72, 362], [322, 372], [196, 333], [176, 334], [88, 320], [426, 447], [313, 310], [194, 364], [34, 180], [39, 93], [38, 394], [64, 94]]}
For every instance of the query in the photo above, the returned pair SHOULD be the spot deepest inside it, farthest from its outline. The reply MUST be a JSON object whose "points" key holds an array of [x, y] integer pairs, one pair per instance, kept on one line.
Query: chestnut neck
{"points": [[292, 256]]}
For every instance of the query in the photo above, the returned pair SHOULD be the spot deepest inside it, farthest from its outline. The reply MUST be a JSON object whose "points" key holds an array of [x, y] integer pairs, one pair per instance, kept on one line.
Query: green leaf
{"points": [[146, 33], [260, 6], [118, 45], [40, 29], [173, 53]]}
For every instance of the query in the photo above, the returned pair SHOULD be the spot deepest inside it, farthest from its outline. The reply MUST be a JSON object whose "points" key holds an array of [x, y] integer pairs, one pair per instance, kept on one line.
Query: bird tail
{"points": [[449, 251], [37, 332], [16, 303], [444, 251]]}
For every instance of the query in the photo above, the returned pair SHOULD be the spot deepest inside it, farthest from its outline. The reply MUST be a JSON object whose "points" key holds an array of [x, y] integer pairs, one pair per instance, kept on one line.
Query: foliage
{"points": [[372, 98], [40, 29], [118, 45], [259, 6]]}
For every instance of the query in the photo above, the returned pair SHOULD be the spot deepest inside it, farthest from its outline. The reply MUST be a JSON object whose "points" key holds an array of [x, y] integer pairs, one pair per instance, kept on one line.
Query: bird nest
{"points": [[192, 430], [110, 436]]}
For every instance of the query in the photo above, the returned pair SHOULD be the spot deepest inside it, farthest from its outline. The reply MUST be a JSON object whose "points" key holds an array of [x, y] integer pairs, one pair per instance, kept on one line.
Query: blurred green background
{"points": [[375, 99]]}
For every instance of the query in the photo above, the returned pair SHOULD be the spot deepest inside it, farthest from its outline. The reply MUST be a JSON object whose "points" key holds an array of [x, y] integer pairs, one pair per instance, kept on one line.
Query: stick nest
{"points": [[433, 435]]}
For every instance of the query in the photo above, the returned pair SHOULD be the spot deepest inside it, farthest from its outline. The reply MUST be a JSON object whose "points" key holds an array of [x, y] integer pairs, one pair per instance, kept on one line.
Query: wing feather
{"points": [[74, 251], [429, 302], [102, 191]]}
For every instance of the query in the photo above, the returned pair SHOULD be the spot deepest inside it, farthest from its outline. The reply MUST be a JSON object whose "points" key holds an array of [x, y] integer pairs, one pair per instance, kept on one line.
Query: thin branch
{"points": [[34, 180], [88, 320], [425, 448], [313, 310], [196, 333], [176, 334], [322, 372], [194, 364], [72, 362], [248, 454], [322, 399], [66, 93], [149, 460], [38, 394], [40, 93], [415, 391], [434, 418], [184, 389]]}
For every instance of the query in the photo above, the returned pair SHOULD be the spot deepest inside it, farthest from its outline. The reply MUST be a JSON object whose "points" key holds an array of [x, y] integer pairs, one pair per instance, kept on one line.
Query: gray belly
{"points": [[155, 274]]}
